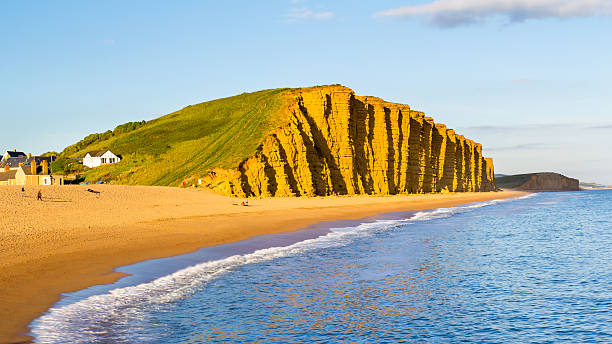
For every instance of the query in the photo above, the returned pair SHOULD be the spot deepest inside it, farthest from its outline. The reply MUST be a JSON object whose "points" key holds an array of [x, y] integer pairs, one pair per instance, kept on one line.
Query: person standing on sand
{"points": [[22, 192], [39, 196]]}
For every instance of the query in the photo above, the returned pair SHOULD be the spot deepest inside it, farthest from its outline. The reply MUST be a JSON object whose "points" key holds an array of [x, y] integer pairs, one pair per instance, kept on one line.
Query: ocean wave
{"points": [[89, 319], [448, 212]]}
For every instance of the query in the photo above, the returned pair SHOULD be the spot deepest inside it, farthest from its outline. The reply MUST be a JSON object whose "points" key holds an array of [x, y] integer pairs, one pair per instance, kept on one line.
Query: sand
{"points": [[74, 239]]}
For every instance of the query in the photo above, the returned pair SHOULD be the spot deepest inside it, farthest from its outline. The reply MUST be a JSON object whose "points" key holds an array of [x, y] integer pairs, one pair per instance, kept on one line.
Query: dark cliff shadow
{"points": [[449, 166], [459, 166], [371, 162], [425, 180], [390, 153], [414, 144], [400, 156], [322, 148], [270, 174], [244, 181], [436, 149], [319, 185], [359, 137], [293, 184]]}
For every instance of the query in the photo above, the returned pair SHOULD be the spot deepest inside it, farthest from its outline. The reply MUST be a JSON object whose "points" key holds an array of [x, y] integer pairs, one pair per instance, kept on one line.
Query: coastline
{"points": [[75, 239]]}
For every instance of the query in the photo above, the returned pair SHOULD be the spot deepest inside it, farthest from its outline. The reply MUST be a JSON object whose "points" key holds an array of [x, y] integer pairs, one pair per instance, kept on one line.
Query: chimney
{"points": [[14, 150], [33, 167], [45, 167], [29, 155]]}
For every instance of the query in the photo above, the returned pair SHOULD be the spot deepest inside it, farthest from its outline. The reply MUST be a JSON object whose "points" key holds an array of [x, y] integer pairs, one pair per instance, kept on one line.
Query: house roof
{"points": [[27, 170], [97, 153], [4, 176], [14, 154], [14, 162]]}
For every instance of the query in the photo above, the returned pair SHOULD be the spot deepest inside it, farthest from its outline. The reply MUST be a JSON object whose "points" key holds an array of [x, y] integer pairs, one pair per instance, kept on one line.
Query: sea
{"points": [[531, 269]]}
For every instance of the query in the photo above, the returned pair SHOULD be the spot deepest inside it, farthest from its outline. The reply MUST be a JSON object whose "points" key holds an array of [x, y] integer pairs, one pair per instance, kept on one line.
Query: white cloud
{"points": [[449, 13], [296, 14]]}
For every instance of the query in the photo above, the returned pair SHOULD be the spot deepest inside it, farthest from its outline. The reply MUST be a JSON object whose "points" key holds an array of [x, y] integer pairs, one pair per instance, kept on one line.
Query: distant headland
{"points": [[542, 181]]}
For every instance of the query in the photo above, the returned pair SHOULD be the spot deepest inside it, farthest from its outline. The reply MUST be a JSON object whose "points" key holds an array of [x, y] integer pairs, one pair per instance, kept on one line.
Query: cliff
{"points": [[545, 181], [330, 141]]}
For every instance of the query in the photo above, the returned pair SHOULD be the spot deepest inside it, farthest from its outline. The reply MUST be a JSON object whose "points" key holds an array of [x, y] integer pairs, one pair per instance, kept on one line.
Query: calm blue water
{"points": [[534, 269]]}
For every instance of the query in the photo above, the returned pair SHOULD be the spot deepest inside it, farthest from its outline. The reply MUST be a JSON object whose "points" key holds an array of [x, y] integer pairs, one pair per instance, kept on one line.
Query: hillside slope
{"points": [[298, 142], [187, 143], [543, 181]]}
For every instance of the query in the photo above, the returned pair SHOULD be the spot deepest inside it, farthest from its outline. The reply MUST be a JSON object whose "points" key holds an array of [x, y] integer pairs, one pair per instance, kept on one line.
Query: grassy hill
{"points": [[187, 143]]}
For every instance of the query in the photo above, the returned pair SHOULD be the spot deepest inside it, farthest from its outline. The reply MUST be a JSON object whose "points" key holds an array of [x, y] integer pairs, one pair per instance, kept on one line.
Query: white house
{"points": [[100, 157]]}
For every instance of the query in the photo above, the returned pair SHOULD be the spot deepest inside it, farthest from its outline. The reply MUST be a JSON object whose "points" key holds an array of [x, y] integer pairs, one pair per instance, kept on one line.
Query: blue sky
{"points": [[531, 80]]}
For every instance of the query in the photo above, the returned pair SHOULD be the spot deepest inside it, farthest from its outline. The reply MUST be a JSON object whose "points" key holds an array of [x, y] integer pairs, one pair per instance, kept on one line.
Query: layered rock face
{"points": [[337, 143]]}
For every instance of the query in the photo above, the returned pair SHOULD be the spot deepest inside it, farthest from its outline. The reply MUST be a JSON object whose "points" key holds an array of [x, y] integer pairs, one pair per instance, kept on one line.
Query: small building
{"points": [[35, 175], [100, 157], [7, 176]]}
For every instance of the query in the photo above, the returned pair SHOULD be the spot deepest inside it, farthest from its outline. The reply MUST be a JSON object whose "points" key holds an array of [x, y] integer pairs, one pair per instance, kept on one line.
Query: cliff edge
{"points": [[333, 142]]}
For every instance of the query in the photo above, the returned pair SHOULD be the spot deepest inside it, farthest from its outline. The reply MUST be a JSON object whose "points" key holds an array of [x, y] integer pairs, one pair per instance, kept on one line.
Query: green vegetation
{"points": [[50, 154], [64, 165], [186, 144], [127, 127], [92, 139], [510, 182]]}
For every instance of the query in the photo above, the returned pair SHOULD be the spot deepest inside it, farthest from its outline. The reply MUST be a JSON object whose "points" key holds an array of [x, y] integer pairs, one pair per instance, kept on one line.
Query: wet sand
{"points": [[74, 239]]}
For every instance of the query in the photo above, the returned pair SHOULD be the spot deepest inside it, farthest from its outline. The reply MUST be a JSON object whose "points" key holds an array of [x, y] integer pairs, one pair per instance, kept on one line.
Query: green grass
{"points": [[188, 143], [50, 154]]}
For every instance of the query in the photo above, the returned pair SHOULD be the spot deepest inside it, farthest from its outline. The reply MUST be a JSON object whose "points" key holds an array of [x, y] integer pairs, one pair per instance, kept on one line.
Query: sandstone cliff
{"points": [[544, 181], [334, 142]]}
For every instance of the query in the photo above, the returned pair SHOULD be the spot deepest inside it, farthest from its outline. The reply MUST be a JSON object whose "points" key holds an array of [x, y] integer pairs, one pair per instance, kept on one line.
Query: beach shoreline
{"points": [[74, 239]]}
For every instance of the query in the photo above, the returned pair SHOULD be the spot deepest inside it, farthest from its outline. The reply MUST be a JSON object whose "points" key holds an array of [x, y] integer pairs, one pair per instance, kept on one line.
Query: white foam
{"points": [[86, 319]]}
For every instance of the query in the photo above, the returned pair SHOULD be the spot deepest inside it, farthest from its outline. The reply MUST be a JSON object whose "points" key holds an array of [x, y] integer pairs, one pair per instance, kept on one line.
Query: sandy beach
{"points": [[74, 238]]}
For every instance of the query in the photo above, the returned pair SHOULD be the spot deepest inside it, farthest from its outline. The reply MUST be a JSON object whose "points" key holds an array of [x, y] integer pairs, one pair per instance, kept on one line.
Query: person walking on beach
{"points": [[22, 192], [39, 196]]}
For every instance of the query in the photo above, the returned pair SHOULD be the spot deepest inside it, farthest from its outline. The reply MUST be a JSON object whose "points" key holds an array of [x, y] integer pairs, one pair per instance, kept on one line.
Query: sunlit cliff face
{"points": [[336, 143]]}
